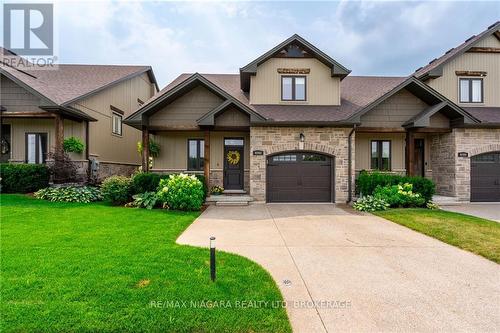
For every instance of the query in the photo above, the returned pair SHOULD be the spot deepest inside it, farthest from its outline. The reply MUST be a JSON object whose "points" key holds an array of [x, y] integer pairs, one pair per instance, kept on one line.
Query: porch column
{"points": [[59, 133], [145, 149], [206, 164], [410, 152]]}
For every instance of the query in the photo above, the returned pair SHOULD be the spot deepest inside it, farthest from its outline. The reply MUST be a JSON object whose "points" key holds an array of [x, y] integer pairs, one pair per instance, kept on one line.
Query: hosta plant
{"points": [[181, 192], [216, 190], [370, 203], [146, 200], [84, 194]]}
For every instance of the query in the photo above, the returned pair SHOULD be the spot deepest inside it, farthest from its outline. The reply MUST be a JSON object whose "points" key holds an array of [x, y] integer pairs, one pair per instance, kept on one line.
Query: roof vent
{"points": [[430, 62], [416, 70], [491, 26], [468, 39], [449, 50]]}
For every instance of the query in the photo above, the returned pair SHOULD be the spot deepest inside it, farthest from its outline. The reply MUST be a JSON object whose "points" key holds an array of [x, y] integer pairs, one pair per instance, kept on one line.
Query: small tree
{"points": [[62, 169]]}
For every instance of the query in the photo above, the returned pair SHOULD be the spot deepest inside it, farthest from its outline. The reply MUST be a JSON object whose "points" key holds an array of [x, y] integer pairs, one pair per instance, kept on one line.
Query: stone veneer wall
{"points": [[329, 140], [114, 169], [452, 173], [474, 141], [217, 178]]}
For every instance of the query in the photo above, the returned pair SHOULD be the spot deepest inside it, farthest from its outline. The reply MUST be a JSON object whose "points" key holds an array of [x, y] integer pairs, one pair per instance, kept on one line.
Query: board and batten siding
{"points": [[17, 99], [185, 110], [173, 156], [321, 87], [447, 84], [363, 150], [104, 145], [394, 111]]}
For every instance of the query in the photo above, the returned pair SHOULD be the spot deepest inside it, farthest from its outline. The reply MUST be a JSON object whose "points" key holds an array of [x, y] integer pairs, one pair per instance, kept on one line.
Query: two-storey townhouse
{"points": [[294, 126]]}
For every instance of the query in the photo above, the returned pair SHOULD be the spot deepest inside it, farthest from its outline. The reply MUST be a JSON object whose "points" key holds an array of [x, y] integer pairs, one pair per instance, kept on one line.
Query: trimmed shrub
{"points": [[73, 145], [370, 203], [367, 182], [117, 190], [84, 194], [400, 195], [181, 192], [23, 178], [145, 182]]}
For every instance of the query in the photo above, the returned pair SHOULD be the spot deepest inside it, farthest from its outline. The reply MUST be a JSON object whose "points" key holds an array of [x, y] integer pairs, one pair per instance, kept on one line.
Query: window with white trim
{"points": [[471, 90], [117, 123]]}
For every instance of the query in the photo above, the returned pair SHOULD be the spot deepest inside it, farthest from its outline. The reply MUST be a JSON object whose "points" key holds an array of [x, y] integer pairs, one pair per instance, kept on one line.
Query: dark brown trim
{"points": [[59, 133], [38, 135], [206, 164], [470, 73], [380, 144], [117, 110], [294, 98], [145, 150], [380, 130], [431, 130], [198, 157], [484, 49], [140, 101], [11, 114], [87, 149], [470, 90]]}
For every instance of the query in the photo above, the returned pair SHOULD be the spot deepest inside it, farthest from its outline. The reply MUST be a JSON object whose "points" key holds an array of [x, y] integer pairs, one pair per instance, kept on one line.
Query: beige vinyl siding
{"points": [[394, 111], [185, 110], [104, 145], [77, 130], [439, 120], [487, 62], [363, 151], [321, 87], [17, 99], [232, 118], [18, 129], [173, 145]]}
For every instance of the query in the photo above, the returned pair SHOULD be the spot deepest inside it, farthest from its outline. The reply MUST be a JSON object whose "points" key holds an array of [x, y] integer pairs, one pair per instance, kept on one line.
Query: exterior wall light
{"points": [[302, 138]]}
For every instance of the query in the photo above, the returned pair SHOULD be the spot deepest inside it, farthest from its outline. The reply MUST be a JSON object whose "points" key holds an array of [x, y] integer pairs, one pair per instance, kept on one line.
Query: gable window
{"points": [[196, 154], [471, 90], [36, 148], [293, 88], [117, 123], [381, 155]]}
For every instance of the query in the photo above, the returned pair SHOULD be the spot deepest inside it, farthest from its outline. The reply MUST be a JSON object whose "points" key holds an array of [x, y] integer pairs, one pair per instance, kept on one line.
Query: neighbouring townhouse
{"points": [[41, 107], [294, 126]]}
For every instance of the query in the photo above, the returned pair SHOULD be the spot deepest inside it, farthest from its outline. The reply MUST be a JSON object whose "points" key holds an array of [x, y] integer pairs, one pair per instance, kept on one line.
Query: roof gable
{"points": [[435, 67], [422, 91], [293, 47]]}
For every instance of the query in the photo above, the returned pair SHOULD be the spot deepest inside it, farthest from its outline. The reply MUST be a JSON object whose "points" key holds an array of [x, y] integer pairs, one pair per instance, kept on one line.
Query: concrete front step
{"points": [[229, 200], [442, 200]]}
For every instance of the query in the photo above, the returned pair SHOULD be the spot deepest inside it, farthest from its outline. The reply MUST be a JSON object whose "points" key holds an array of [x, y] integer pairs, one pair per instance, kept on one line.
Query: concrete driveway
{"points": [[339, 271], [490, 211]]}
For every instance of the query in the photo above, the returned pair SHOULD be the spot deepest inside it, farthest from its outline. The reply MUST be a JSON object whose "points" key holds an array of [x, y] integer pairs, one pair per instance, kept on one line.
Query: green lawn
{"points": [[92, 267], [464, 231]]}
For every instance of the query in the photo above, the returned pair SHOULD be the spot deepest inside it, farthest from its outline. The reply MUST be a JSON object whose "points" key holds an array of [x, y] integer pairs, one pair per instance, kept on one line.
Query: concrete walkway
{"points": [[339, 271], [490, 211]]}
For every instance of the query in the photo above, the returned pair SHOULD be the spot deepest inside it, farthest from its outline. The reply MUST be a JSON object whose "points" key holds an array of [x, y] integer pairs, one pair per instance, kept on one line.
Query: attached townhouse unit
{"points": [[294, 126], [41, 106]]}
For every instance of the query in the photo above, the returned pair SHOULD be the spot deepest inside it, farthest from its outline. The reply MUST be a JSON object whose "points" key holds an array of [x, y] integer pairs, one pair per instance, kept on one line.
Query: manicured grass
{"points": [[93, 267], [464, 231]]}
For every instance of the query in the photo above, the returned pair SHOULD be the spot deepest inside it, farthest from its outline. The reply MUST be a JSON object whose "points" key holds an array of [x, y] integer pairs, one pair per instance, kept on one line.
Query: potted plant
{"points": [[216, 190]]}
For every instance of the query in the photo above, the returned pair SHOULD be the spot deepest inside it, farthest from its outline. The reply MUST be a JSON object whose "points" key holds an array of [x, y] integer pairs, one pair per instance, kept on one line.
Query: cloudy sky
{"points": [[370, 38]]}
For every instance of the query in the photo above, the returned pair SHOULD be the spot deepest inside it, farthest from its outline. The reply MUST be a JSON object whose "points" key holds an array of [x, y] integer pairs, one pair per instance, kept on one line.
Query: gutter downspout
{"points": [[349, 164]]}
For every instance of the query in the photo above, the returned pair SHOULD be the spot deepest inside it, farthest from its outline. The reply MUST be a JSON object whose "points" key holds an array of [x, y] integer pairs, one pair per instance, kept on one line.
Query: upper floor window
{"points": [[293, 88], [471, 90], [196, 154], [117, 123], [381, 155]]}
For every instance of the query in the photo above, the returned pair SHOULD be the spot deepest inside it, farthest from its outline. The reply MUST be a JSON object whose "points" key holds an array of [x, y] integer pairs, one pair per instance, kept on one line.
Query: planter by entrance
{"points": [[299, 177]]}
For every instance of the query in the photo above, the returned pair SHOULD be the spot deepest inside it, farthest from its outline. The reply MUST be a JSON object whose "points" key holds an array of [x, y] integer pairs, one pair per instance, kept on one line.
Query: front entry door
{"points": [[233, 164], [419, 158]]}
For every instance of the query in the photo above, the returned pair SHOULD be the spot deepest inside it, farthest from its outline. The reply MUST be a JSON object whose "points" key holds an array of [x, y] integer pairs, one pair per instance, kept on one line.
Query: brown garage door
{"points": [[299, 177], [485, 177]]}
